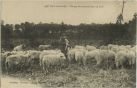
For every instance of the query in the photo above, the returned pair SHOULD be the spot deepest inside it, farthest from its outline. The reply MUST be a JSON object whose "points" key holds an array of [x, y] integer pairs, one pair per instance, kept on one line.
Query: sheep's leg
{"points": [[40, 63], [117, 65], [43, 67], [47, 68]]}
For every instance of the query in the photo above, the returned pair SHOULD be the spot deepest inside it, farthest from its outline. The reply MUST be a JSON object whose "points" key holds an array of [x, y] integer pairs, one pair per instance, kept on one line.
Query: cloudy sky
{"points": [[17, 11]]}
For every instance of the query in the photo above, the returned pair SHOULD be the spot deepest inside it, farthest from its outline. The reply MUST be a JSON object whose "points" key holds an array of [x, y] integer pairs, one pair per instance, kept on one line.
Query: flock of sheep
{"points": [[109, 57]]}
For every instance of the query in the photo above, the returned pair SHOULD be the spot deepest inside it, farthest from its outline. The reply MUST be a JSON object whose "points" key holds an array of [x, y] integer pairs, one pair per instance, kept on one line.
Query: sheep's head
{"points": [[62, 55], [7, 53]]}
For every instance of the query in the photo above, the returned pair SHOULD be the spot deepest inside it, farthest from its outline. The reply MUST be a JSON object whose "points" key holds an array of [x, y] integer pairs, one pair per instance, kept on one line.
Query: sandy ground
{"points": [[12, 82]]}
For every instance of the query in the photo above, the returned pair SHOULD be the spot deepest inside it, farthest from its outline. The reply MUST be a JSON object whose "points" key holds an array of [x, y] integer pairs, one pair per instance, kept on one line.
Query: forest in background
{"points": [[33, 34]]}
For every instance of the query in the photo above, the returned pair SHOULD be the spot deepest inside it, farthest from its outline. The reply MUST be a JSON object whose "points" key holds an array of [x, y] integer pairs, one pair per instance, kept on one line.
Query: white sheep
{"points": [[19, 47], [111, 45], [125, 47], [90, 56], [104, 47], [34, 56], [79, 47], [133, 49], [52, 61], [90, 48], [121, 59], [114, 48], [3, 58], [17, 61], [71, 54], [80, 56], [18, 52], [44, 47], [47, 52], [131, 56], [105, 58], [128, 46]]}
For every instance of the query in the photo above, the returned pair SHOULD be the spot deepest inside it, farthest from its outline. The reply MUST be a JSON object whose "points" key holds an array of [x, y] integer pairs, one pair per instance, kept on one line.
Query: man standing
{"points": [[64, 46]]}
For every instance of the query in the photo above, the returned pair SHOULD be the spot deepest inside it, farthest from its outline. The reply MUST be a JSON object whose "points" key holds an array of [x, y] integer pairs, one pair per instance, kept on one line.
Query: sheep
{"points": [[121, 59], [90, 48], [114, 48], [134, 49], [34, 56], [80, 56], [126, 57], [102, 58], [103, 47], [79, 47], [19, 48], [7, 53], [54, 60], [3, 58], [46, 52], [90, 56], [111, 45], [18, 52], [11, 61], [122, 47], [16, 62], [131, 56], [128, 46], [110, 59], [105, 58], [71, 54], [25, 61], [51, 51], [44, 47]]}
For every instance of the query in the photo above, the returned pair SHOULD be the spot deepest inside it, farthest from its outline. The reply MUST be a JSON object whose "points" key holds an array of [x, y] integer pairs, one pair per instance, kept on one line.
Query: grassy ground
{"points": [[81, 77]]}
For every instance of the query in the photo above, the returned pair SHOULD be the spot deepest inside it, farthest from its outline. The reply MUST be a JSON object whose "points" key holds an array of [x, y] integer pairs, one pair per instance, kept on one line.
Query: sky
{"points": [[17, 11]]}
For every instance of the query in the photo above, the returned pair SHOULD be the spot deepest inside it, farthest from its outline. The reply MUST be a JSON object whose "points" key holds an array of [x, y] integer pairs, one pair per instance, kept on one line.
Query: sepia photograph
{"points": [[68, 43]]}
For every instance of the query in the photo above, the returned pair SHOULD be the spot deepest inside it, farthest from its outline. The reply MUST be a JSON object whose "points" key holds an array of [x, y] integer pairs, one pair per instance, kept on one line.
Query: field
{"points": [[80, 77], [74, 75]]}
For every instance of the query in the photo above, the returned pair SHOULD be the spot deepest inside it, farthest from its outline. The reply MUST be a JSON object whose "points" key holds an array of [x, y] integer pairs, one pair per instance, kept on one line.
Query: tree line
{"points": [[106, 32]]}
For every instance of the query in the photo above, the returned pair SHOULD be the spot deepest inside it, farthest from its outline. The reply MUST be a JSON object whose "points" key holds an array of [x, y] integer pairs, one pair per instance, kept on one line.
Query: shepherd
{"points": [[64, 46]]}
